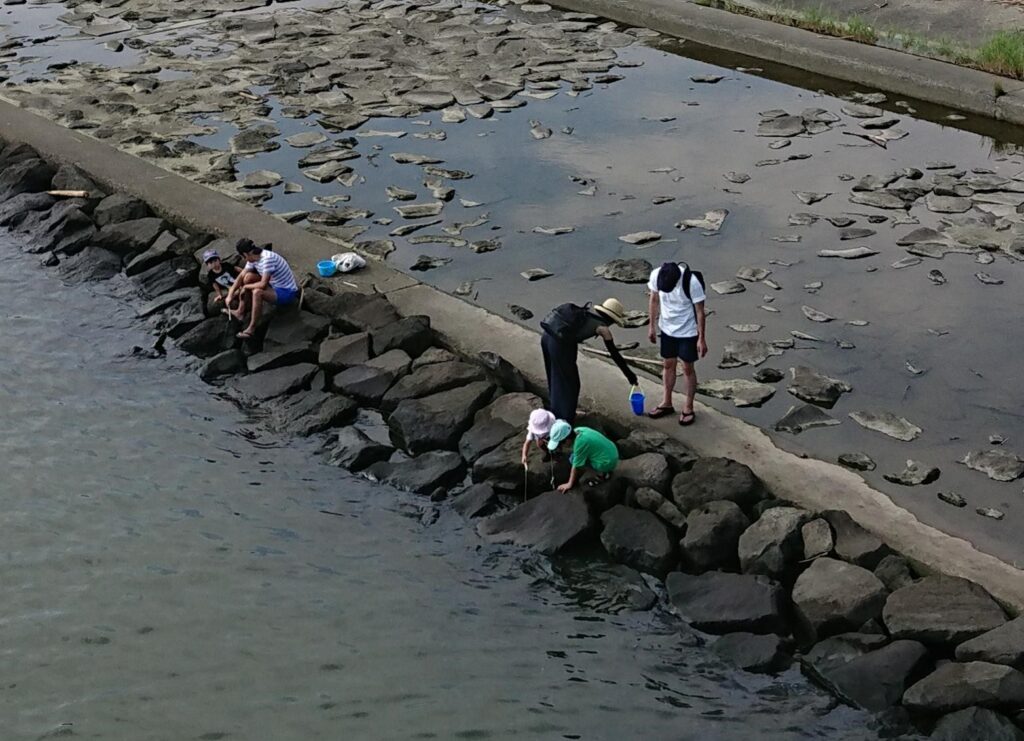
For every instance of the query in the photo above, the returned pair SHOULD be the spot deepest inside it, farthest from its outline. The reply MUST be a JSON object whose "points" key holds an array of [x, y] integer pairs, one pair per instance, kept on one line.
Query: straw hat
{"points": [[612, 309]]}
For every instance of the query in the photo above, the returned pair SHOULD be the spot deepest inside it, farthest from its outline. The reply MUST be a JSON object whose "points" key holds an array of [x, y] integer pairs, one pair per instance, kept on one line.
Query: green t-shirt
{"points": [[593, 450]]}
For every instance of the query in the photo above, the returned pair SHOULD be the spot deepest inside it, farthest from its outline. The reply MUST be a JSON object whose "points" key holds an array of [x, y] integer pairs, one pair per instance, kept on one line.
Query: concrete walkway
{"points": [[809, 483]]}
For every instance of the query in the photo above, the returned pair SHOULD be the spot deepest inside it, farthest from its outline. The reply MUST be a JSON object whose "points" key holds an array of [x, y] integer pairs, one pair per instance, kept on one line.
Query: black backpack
{"points": [[565, 321], [685, 278]]}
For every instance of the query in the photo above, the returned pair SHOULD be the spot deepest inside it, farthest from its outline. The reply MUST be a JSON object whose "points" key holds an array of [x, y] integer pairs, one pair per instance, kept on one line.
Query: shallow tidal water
{"points": [[170, 572]]}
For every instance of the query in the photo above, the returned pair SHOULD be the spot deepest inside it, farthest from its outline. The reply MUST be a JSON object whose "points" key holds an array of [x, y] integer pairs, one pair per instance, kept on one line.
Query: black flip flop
{"points": [[687, 418], [659, 412]]}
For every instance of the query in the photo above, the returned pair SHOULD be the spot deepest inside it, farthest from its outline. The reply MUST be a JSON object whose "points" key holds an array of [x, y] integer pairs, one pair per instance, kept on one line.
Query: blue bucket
{"points": [[636, 400], [327, 268]]}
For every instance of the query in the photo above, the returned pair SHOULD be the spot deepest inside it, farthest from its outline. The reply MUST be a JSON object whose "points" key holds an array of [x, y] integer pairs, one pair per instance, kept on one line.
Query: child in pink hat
{"points": [[537, 431]]}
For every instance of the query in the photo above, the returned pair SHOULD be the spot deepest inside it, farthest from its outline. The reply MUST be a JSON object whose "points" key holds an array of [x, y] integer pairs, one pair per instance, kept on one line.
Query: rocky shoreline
{"points": [[775, 583]]}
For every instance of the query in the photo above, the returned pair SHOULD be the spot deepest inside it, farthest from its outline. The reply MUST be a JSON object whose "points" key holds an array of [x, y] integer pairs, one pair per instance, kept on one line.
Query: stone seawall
{"points": [[776, 581]]}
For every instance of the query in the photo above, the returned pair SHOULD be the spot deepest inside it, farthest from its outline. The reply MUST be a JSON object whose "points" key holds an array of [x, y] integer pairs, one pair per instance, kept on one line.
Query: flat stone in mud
{"points": [[855, 253], [746, 352], [255, 140], [816, 388], [273, 383], [726, 287], [422, 474], [810, 198], [420, 210], [406, 158], [859, 110], [816, 316], [947, 204], [547, 523], [710, 223], [914, 474], [633, 270], [719, 602], [956, 686], [741, 392], [879, 199], [306, 139], [857, 461], [941, 610], [752, 274], [888, 424], [639, 238], [805, 417], [998, 465], [785, 125]]}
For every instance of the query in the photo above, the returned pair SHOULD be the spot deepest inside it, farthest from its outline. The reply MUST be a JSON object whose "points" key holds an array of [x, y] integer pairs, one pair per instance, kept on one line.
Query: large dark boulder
{"points": [[363, 382], [865, 674], [833, 596], [713, 532], [713, 479], [547, 523], [647, 470], [955, 686], [422, 474], [438, 420], [291, 325], [503, 467], [179, 272], [431, 379], [412, 334], [353, 312], [976, 724], [119, 207], [159, 252], [894, 572], [853, 543], [760, 654], [64, 228], [278, 382], [222, 364], [22, 204], [69, 177], [180, 318], [207, 338], [639, 539], [339, 353], [719, 602], [653, 501], [278, 357], [483, 437], [941, 610], [354, 450], [158, 304], [773, 542], [312, 412], [513, 409], [92, 263], [28, 175], [641, 441], [127, 237], [477, 500], [1002, 645], [501, 372]]}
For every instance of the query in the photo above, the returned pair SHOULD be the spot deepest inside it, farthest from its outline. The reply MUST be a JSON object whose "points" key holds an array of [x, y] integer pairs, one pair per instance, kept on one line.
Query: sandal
{"points": [[244, 335], [659, 412], [686, 419]]}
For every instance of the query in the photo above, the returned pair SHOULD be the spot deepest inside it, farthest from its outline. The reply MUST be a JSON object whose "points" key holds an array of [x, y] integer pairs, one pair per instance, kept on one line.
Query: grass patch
{"points": [[1003, 54]]}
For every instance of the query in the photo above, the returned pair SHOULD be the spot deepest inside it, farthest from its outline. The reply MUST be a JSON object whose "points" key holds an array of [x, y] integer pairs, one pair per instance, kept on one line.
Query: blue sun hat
{"points": [[560, 430]]}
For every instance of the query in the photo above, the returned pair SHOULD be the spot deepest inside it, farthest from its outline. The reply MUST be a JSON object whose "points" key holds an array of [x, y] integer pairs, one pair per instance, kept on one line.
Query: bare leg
{"points": [[668, 377], [244, 297], [268, 296], [689, 386]]}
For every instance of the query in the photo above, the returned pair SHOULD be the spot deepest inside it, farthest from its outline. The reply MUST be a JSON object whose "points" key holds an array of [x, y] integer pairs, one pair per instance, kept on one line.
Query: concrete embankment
{"points": [[784, 556], [874, 67]]}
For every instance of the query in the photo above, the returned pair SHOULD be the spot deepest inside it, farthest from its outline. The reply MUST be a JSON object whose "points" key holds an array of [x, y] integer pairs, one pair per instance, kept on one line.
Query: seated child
{"points": [[537, 430], [590, 449], [219, 277]]}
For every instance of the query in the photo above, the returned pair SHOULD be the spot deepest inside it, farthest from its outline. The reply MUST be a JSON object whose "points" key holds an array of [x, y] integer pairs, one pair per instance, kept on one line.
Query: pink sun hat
{"points": [[540, 422]]}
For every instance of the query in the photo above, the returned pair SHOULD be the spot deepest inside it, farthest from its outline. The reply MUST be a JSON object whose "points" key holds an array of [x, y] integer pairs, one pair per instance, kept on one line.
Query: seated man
{"points": [[266, 277], [590, 449]]}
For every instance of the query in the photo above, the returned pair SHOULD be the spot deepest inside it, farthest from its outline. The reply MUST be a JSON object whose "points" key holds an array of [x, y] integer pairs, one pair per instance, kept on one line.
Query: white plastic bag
{"points": [[348, 262]]}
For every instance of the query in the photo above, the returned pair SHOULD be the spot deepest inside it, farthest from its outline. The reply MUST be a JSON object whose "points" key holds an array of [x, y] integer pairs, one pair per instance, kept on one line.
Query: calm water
{"points": [[168, 573]]}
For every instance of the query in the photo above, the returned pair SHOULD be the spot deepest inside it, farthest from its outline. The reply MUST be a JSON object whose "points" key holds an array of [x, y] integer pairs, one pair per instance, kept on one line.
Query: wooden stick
{"points": [[68, 193]]}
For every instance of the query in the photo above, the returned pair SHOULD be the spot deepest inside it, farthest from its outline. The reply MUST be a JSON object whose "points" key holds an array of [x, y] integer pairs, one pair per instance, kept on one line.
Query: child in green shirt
{"points": [[590, 449]]}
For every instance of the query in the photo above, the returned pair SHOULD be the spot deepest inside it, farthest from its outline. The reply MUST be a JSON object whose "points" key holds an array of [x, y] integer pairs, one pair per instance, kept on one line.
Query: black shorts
{"points": [[684, 348]]}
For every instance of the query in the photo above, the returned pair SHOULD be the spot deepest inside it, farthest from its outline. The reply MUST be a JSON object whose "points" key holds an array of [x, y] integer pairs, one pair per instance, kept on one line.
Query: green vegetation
{"points": [[1002, 54]]}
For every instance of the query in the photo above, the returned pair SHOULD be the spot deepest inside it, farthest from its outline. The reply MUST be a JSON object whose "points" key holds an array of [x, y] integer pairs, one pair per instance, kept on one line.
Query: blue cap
{"points": [[560, 430]]}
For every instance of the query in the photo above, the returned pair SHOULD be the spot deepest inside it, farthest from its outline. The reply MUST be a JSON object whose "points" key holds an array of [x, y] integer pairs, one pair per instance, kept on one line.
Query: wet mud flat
{"points": [[548, 160]]}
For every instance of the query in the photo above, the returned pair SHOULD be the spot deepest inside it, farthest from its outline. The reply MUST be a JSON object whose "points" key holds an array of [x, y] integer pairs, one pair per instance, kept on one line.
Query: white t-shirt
{"points": [[677, 317], [281, 275]]}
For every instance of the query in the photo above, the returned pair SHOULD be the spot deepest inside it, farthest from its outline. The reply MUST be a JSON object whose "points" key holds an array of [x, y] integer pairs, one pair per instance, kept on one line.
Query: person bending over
{"points": [[590, 450], [537, 431], [565, 327], [267, 278]]}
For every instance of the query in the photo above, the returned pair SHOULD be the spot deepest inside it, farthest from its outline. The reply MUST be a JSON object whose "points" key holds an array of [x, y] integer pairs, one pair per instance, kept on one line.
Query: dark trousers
{"points": [[563, 376]]}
